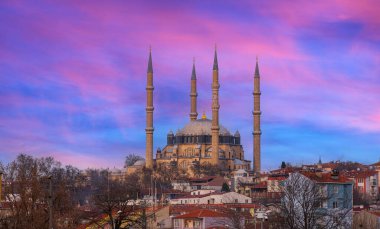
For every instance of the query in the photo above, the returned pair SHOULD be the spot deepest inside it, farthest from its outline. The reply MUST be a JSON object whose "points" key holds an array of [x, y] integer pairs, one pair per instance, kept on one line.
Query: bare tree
{"points": [[27, 192], [131, 159], [205, 169], [234, 217], [115, 200], [302, 205]]}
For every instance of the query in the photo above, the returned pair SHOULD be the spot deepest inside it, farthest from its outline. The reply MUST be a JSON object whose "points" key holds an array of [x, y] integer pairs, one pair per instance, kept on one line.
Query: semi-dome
{"points": [[201, 127]]}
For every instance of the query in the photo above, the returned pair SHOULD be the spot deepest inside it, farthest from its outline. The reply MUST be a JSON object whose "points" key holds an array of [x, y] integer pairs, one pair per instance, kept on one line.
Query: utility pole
{"points": [[50, 204]]}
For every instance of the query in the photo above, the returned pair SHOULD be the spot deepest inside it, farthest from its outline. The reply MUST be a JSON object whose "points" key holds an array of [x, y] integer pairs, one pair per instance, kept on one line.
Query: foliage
{"points": [[225, 187]]}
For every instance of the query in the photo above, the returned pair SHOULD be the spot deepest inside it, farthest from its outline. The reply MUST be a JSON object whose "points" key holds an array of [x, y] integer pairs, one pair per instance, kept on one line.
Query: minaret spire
{"points": [[193, 95], [215, 67], [150, 65], [256, 120], [149, 114], [215, 112]]}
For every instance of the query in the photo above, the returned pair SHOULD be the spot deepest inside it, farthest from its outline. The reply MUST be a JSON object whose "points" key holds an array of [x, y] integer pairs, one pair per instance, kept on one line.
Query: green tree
{"points": [[225, 187]]}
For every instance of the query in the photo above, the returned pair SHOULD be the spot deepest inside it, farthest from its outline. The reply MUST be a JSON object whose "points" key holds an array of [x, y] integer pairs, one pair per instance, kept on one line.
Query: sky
{"points": [[73, 76]]}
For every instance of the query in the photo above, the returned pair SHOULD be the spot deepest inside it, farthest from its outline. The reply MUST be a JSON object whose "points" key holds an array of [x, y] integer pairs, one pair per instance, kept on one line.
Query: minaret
{"points": [[215, 112], [149, 115], [193, 95], [256, 120]]}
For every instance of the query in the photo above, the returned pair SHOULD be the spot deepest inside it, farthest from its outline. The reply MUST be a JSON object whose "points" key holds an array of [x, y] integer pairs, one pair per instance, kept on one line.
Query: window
{"points": [[246, 201], [336, 188], [335, 204], [176, 223], [236, 200], [197, 224]]}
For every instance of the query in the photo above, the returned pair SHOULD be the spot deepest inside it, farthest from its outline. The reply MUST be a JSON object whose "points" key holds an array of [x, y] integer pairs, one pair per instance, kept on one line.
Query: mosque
{"points": [[203, 140]]}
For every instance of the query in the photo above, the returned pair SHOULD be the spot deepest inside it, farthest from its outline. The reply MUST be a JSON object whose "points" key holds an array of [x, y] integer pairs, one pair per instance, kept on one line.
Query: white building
{"points": [[212, 198]]}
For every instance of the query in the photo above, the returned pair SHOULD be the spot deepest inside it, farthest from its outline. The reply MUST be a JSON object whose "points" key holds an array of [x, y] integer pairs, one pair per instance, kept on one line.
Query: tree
{"points": [[208, 169], [301, 206], [225, 187], [131, 159], [27, 182], [116, 199], [234, 217]]}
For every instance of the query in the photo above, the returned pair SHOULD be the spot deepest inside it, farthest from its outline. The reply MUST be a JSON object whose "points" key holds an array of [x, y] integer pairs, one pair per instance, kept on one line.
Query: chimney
{"points": [[335, 174]]}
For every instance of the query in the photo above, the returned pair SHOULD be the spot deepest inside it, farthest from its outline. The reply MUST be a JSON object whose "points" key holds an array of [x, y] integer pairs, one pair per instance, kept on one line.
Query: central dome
{"points": [[201, 127]]}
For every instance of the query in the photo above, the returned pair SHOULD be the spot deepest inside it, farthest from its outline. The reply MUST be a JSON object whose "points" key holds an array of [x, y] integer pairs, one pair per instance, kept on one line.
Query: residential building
{"points": [[275, 183], [338, 189], [327, 194], [365, 182], [202, 219], [212, 198], [376, 167]]}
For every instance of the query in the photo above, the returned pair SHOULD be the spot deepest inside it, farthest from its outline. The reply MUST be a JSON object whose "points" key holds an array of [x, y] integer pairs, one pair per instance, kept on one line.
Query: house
{"points": [[337, 188], [365, 182], [160, 219], [212, 198], [202, 219], [209, 182], [275, 183], [376, 167], [328, 195]]}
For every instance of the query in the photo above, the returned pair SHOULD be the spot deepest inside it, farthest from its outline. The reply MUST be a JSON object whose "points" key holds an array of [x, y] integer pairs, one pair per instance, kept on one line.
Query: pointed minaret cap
{"points": [[193, 74], [150, 66], [257, 72], [215, 67]]}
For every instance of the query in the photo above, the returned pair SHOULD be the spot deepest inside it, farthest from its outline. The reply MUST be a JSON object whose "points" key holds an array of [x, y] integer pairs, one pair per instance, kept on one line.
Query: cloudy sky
{"points": [[73, 75]]}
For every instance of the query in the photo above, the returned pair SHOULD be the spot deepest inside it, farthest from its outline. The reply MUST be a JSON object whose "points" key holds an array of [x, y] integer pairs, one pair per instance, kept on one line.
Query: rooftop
{"points": [[326, 177], [201, 127], [200, 213], [360, 174]]}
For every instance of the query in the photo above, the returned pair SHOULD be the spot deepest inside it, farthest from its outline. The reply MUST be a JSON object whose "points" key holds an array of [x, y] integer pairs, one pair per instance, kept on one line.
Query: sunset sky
{"points": [[73, 76]]}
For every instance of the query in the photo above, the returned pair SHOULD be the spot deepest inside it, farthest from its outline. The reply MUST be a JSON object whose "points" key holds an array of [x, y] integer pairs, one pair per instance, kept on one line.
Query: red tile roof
{"points": [[189, 196], [376, 164], [360, 174], [377, 213], [261, 185], [277, 178], [326, 178], [200, 213], [186, 208], [285, 171]]}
